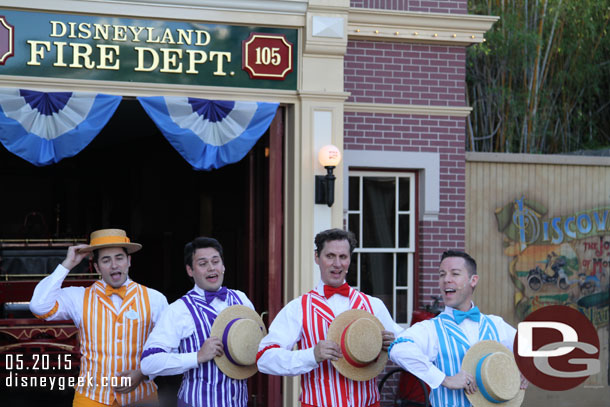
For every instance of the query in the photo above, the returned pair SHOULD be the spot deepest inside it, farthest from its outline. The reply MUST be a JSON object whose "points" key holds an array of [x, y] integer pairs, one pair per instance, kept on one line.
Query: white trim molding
{"points": [[284, 13], [509, 158], [437, 28], [427, 164], [455, 111]]}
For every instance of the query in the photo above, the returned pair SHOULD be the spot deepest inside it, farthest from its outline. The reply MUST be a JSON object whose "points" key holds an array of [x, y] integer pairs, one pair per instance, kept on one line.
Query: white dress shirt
{"points": [[418, 356], [48, 292], [175, 324], [287, 328]]}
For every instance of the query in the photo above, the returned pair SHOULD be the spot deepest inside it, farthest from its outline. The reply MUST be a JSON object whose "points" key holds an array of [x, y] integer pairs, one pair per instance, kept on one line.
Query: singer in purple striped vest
{"points": [[181, 343]]}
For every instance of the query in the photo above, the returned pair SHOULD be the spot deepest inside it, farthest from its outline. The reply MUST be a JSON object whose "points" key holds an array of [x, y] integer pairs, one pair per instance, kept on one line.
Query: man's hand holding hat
{"points": [[495, 372], [327, 350], [359, 336], [75, 256], [462, 380], [387, 337], [211, 348]]}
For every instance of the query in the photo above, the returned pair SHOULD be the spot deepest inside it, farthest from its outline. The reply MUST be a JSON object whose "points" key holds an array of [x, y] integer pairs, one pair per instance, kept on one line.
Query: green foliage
{"points": [[541, 81]]}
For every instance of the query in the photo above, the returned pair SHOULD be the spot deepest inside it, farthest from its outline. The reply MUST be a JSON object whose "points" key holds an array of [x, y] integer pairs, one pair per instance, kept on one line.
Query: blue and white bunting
{"points": [[44, 128], [209, 134]]}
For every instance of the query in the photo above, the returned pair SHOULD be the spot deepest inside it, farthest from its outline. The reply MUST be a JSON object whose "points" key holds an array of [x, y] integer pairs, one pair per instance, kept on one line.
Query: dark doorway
{"points": [[130, 177]]}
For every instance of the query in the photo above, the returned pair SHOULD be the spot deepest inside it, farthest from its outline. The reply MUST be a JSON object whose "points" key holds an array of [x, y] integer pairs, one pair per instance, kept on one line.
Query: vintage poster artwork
{"points": [[558, 260]]}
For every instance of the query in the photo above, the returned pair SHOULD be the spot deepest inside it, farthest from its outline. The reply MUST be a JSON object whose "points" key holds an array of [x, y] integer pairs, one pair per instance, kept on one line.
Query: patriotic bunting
{"points": [[209, 134], [44, 128]]}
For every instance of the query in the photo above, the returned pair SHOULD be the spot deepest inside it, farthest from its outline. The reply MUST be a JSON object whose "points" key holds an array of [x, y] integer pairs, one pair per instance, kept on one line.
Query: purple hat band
{"points": [[225, 337]]}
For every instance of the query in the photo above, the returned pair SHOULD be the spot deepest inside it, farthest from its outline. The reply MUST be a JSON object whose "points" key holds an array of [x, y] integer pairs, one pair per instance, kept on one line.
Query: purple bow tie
{"points": [[220, 294]]}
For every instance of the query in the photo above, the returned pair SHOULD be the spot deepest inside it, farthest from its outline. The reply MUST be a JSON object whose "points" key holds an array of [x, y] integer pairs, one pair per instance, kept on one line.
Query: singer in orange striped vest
{"points": [[305, 320], [114, 317]]}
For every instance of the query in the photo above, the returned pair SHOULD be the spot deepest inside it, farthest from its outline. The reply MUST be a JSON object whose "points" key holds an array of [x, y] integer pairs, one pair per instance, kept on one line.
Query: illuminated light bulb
{"points": [[329, 156]]}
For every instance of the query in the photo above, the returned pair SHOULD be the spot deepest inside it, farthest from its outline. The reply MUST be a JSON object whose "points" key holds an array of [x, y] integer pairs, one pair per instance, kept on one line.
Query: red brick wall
{"points": [[419, 133], [448, 232], [423, 75], [410, 74], [382, 72], [448, 6]]}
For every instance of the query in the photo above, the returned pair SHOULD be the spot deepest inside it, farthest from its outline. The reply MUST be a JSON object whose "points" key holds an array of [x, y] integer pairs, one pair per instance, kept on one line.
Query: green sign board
{"points": [[148, 51]]}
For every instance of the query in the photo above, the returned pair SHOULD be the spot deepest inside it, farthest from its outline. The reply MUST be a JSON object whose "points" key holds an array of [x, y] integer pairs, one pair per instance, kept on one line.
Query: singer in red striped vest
{"points": [[114, 317], [304, 321]]}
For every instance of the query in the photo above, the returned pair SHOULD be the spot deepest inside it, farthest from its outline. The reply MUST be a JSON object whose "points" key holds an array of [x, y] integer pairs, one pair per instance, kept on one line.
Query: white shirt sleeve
{"points": [[421, 347], [51, 302], [244, 299], [382, 313], [505, 331], [161, 356], [285, 331], [158, 304], [416, 353]]}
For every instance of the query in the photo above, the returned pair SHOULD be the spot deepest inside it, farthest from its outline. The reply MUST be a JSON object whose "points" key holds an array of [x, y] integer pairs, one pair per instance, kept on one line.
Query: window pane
{"points": [[378, 224], [354, 193], [403, 231], [352, 272], [403, 194], [402, 269], [401, 306], [376, 272], [353, 224]]}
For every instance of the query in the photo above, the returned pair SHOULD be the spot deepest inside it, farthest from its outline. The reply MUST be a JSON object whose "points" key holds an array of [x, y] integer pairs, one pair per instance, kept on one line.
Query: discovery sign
{"points": [[147, 51]]}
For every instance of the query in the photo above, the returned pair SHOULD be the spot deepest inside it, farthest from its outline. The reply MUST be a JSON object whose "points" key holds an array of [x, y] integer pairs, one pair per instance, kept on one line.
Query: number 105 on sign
{"points": [[267, 56]]}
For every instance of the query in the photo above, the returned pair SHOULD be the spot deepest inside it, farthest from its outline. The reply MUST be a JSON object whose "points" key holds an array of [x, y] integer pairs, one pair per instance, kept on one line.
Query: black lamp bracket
{"points": [[325, 187]]}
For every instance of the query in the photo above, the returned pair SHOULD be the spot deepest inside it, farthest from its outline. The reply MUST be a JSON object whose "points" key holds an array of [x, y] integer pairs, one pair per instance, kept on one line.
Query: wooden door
{"points": [[265, 244]]}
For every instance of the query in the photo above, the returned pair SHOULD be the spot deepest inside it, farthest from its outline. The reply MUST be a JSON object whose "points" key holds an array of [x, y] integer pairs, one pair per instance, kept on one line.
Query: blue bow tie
{"points": [[220, 294], [473, 314]]}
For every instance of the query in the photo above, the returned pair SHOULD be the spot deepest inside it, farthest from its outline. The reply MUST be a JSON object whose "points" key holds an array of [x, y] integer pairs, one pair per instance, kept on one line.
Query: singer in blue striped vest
{"points": [[433, 350], [181, 341]]}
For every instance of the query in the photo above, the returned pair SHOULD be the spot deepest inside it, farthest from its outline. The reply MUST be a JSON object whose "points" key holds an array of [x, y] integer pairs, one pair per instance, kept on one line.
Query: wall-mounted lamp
{"points": [[329, 157]]}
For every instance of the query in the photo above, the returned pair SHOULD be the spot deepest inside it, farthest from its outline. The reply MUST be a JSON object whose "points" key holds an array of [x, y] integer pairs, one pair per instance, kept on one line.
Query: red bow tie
{"points": [[343, 290]]}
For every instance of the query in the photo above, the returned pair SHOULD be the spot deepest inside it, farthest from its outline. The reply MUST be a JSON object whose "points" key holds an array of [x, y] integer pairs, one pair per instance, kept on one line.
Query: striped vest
{"points": [[325, 386], [206, 385], [111, 342], [453, 345]]}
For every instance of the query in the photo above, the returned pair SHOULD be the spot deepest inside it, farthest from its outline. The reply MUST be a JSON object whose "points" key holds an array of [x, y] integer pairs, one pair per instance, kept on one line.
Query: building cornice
{"points": [[149, 89], [335, 97], [426, 110], [554, 159], [281, 13], [432, 28]]}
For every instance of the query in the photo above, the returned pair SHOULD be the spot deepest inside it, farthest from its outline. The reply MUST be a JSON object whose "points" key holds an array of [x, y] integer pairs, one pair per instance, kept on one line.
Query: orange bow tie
{"points": [[121, 291], [343, 290]]}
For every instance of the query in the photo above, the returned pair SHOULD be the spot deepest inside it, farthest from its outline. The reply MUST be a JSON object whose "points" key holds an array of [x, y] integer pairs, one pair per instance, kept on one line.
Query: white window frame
{"points": [[410, 250]]}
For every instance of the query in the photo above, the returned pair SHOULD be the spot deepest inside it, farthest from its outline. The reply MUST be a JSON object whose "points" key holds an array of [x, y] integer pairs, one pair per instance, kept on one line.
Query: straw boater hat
{"points": [[104, 238], [240, 329], [495, 370], [358, 333]]}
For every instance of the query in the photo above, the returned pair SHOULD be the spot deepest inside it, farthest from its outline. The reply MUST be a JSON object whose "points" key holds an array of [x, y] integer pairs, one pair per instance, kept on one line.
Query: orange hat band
{"points": [[109, 240]]}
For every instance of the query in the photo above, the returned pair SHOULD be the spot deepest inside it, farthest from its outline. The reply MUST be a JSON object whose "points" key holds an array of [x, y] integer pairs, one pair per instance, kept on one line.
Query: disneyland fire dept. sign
{"points": [[135, 50]]}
